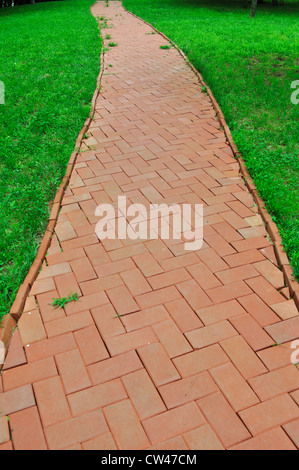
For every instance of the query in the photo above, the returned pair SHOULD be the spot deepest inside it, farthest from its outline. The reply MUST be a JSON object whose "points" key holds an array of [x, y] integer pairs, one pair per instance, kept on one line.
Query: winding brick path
{"points": [[166, 349]]}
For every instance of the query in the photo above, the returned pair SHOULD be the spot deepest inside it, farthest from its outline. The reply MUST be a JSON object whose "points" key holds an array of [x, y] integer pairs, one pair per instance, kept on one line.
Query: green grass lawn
{"points": [[249, 65], [49, 62]]}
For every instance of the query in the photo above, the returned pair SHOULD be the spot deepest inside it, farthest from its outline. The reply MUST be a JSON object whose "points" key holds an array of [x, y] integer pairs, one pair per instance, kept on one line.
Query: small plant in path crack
{"points": [[63, 301], [112, 44], [166, 47]]}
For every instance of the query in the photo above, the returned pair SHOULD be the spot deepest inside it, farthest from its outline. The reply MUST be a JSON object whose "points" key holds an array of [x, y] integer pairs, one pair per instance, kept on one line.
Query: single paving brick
{"points": [[26, 430], [125, 426]]}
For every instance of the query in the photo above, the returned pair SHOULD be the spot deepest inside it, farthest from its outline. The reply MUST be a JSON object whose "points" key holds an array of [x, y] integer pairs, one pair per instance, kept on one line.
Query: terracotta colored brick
{"points": [[226, 293], [173, 423], [203, 438], [260, 311], [31, 327], [125, 426], [194, 295], [147, 264], [271, 273], [265, 291], [292, 429], [276, 357], [122, 300], [49, 312], [251, 331], [176, 443], [158, 364], [115, 367], [101, 284], [223, 419], [201, 360], [159, 297], [104, 442], [172, 339], [15, 356], [217, 313], [248, 257], [86, 303], [91, 345], [55, 270], [189, 389], [284, 331], [170, 278], [242, 356], [72, 371], [26, 430], [83, 269], [183, 315], [76, 430], [240, 209], [269, 414], [16, 400], [49, 347], [66, 285], [179, 262], [251, 244], [96, 254], [29, 373], [212, 334], [159, 250], [51, 401], [295, 396], [237, 274], [44, 285], [145, 318], [273, 440], [114, 267], [127, 252], [221, 246], [107, 321], [212, 260], [143, 394], [62, 257], [135, 282], [133, 340], [4, 431], [276, 382], [203, 276], [227, 231], [285, 310], [65, 231], [6, 446], [68, 324], [96, 397], [234, 387]]}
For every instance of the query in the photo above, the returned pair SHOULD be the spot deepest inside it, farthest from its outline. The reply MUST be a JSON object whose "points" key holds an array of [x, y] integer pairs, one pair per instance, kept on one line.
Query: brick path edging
{"points": [[271, 227], [10, 320]]}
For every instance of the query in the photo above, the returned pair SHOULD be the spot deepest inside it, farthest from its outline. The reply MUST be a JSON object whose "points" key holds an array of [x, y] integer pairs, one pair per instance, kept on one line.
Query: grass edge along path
{"points": [[51, 55], [249, 65]]}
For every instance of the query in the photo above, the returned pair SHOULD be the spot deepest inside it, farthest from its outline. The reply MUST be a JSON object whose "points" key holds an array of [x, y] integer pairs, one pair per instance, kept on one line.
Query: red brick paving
{"points": [[165, 349]]}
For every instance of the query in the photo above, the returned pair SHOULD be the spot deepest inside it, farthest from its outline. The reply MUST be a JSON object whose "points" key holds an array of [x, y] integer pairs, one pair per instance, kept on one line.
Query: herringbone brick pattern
{"points": [[166, 349]]}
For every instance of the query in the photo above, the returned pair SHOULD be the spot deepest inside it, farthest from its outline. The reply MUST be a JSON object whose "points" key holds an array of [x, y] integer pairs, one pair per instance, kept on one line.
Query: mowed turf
{"points": [[249, 65], [49, 62]]}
